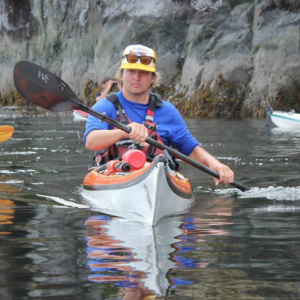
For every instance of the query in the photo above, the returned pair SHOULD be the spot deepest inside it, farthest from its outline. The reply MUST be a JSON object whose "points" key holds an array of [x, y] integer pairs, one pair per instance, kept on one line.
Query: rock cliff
{"points": [[217, 57]]}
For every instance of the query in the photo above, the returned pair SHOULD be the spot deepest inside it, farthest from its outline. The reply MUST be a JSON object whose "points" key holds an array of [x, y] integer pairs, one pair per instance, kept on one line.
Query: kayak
{"points": [[80, 115], [6, 131], [284, 119], [145, 193]]}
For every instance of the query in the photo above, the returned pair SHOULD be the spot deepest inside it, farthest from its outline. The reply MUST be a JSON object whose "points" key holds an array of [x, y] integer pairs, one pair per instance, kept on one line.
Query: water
{"points": [[230, 245]]}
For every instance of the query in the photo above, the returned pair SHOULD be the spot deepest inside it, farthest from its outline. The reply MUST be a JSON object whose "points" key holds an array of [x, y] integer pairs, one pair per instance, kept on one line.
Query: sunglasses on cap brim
{"points": [[145, 60]]}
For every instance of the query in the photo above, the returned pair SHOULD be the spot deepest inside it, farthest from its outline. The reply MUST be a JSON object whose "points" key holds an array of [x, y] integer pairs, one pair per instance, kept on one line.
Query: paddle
{"points": [[6, 132], [45, 89]]}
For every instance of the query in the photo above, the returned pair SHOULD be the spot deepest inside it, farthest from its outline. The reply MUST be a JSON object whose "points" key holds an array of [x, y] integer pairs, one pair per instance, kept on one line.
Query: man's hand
{"points": [[139, 132], [225, 173]]}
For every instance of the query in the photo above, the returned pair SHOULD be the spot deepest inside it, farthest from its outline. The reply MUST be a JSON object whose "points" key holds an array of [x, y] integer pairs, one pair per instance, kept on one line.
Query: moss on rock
{"points": [[216, 101]]}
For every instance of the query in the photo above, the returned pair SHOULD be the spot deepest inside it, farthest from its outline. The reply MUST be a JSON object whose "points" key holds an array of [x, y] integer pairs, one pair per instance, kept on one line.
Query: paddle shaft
{"points": [[198, 165]]}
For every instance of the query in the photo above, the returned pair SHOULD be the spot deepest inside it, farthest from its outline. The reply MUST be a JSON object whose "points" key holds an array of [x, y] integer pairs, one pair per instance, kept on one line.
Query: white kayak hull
{"points": [[285, 119], [79, 115], [147, 198]]}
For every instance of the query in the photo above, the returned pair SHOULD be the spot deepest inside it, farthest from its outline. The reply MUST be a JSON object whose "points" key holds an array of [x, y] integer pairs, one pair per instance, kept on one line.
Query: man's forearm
{"points": [[101, 139]]}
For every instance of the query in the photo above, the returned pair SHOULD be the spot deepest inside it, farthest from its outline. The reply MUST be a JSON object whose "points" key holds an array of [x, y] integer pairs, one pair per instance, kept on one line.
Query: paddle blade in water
{"points": [[6, 132], [43, 88]]}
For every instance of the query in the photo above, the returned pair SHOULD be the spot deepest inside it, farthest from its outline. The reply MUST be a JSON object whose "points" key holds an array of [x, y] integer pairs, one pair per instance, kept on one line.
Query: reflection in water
{"points": [[134, 255], [140, 258], [6, 214], [291, 133], [195, 232]]}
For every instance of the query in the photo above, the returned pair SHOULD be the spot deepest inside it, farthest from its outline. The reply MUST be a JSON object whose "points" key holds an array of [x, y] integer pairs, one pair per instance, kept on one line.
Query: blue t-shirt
{"points": [[171, 126]]}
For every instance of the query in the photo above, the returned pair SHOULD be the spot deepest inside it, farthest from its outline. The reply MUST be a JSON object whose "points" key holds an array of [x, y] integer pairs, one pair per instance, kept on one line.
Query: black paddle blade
{"points": [[43, 88]]}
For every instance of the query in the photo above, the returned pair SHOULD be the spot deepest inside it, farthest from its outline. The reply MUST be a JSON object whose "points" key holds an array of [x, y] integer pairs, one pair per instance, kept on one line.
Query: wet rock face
{"points": [[217, 57], [15, 15]]}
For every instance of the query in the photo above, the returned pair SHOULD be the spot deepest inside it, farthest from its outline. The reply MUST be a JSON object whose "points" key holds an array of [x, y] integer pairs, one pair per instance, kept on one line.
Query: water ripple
{"points": [[272, 193], [275, 193]]}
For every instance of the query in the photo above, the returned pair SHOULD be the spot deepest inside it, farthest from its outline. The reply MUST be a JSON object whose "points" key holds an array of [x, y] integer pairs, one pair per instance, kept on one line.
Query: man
{"points": [[138, 74], [107, 86]]}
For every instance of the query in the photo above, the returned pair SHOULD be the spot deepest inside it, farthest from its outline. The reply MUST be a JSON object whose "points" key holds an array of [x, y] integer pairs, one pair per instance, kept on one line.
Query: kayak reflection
{"points": [[7, 214], [133, 255], [149, 260]]}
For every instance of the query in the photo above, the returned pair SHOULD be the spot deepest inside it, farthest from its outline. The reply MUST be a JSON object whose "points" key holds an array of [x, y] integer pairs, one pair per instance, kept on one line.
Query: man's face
{"points": [[137, 81]]}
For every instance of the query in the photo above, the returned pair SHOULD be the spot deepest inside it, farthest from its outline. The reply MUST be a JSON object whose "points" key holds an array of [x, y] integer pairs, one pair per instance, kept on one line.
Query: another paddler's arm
{"points": [[101, 139], [202, 156]]}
